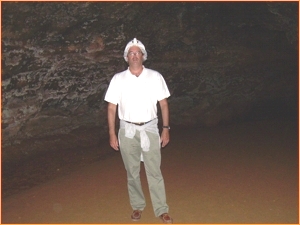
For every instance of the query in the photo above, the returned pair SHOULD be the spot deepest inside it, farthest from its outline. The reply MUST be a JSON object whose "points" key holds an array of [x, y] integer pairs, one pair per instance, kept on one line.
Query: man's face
{"points": [[135, 56]]}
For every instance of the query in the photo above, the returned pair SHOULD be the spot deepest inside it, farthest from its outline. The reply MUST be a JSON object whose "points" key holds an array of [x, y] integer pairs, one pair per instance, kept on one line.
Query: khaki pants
{"points": [[131, 154]]}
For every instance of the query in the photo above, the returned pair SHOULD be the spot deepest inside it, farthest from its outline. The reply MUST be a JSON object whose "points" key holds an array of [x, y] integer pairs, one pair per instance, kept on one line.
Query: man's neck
{"points": [[136, 70]]}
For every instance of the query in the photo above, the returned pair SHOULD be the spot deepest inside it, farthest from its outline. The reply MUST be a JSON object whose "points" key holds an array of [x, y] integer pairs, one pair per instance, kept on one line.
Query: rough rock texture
{"points": [[223, 62]]}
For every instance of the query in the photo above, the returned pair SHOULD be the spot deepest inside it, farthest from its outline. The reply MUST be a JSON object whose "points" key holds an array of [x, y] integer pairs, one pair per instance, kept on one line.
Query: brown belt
{"points": [[139, 124]]}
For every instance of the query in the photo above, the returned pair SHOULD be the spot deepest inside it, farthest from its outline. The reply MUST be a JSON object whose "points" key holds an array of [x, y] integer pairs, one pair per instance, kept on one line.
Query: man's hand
{"points": [[113, 141], [165, 134], [111, 116], [165, 137]]}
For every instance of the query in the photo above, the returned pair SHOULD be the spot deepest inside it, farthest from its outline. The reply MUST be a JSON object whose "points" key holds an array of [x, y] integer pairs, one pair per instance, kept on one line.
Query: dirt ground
{"points": [[241, 173]]}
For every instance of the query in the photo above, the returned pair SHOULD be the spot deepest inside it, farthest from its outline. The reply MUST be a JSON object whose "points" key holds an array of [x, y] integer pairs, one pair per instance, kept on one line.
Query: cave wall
{"points": [[223, 62]]}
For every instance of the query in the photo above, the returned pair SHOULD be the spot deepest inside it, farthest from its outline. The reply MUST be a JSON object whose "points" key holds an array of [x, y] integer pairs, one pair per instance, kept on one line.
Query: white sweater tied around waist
{"points": [[130, 130]]}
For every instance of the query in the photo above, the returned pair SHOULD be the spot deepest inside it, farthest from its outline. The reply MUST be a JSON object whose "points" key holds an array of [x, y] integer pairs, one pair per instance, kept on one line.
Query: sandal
{"points": [[166, 218], [136, 215]]}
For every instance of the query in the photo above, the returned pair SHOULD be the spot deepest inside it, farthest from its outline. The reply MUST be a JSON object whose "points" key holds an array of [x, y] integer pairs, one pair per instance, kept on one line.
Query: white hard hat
{"points": [[137, 43]]}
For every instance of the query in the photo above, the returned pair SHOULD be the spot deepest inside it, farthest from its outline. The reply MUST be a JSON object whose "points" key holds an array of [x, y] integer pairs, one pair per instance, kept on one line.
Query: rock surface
{"points": [[223, 63]]}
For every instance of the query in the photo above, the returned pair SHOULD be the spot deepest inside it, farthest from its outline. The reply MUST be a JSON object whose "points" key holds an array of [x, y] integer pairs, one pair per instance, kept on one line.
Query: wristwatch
{"points": [[167, 127]]}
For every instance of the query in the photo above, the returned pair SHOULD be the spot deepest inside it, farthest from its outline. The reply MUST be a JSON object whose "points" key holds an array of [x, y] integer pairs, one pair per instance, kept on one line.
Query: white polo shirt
{"points": [[137, 97]]}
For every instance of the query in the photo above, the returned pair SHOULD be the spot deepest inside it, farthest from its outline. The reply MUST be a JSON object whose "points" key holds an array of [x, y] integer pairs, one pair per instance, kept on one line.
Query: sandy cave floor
{"points": [[241, 173]]}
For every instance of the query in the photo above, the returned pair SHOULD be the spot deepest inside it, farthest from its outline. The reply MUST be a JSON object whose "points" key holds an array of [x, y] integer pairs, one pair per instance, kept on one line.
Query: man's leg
{"points": [[152, 162], [131, 155]]}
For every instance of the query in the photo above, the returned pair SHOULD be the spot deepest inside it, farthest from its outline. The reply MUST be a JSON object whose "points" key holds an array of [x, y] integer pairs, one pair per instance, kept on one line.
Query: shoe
{"points": [[136, 215], [166, 218]]}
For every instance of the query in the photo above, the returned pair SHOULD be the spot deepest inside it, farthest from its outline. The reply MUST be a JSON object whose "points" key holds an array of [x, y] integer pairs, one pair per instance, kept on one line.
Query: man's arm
{"points": [[111, 117], [165, 135]]}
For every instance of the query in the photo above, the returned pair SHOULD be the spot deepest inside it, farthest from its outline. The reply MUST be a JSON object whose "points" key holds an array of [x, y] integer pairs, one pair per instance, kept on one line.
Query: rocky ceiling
{"points": [[224, 62]]}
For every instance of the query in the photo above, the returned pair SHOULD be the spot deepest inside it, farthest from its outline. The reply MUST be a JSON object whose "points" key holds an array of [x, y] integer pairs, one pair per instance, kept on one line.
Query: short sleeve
{"points": [[163, 91], [112, 93]]}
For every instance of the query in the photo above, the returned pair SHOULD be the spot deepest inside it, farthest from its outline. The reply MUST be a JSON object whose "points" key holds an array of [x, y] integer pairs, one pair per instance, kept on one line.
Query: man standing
{"points": [[136, 92]]}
